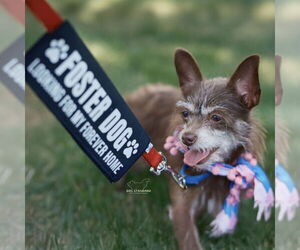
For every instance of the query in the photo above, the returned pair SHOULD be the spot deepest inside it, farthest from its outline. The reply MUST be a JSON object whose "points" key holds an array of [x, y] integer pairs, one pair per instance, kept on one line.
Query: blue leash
{"points": [[193, 179]]}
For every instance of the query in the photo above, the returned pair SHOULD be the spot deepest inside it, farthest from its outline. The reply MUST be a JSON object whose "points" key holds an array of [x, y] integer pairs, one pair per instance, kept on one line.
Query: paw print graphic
{"points": [[57, 51], [131, 148]]}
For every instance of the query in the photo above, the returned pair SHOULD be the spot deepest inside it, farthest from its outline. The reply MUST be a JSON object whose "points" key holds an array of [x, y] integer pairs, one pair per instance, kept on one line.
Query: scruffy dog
{"points": [[218, 125]]}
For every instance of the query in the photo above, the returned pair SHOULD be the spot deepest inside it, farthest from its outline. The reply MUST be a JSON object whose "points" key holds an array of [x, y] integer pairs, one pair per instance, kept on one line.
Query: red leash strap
{"points": [[153, 157], [45, 14]]}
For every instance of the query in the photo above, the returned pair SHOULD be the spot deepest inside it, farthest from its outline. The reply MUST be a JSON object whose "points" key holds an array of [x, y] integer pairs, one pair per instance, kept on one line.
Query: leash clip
{"points": [[178, 178]]}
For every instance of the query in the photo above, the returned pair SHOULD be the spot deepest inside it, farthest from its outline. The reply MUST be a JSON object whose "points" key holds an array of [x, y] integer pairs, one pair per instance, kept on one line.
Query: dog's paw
{"points": [[57, 51]]}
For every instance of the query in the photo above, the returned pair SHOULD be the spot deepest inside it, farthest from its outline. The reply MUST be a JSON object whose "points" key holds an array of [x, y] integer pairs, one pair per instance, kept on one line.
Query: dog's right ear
{"points": [[278, 84], [187, 70], [245, 81]]}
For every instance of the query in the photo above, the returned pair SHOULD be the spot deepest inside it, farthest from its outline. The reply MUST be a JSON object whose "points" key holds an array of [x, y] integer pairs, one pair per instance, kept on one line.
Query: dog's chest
{"points": [[211, 194]]}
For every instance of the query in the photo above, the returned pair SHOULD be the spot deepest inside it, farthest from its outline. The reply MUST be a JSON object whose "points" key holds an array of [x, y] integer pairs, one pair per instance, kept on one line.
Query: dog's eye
{"points": [[185, 114], [216, 118]]}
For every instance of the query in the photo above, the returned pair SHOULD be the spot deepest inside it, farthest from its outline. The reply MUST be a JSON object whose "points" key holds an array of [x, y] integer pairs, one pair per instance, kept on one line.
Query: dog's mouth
{"points": [[194, 157]]}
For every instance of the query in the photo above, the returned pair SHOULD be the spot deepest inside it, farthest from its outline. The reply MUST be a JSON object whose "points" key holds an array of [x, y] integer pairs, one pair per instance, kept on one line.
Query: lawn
{"points": [[12, 151], [69, 204]]}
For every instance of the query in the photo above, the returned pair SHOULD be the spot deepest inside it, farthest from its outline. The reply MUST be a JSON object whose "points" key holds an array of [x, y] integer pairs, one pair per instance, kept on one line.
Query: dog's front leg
{"points": [[182, 213]]}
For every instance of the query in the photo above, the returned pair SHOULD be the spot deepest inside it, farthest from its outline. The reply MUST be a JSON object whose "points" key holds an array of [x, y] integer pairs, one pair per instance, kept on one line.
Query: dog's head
{"points": [[215, 112]]}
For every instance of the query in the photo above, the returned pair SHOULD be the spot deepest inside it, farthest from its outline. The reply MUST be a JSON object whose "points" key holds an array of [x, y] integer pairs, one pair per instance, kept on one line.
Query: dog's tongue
{"points": [[192, 157]]}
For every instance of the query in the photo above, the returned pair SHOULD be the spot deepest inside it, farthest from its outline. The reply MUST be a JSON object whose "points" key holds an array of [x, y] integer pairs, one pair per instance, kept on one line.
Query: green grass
{"points": [[12, 151], [70, 205]]}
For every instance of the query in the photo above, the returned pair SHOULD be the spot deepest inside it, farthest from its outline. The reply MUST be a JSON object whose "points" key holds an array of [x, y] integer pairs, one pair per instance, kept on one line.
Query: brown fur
{"points": [[155, 107]]}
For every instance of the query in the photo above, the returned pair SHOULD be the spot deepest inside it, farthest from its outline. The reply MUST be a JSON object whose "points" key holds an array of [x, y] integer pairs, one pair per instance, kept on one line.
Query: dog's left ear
{"points": [[245, 81], [188, 71]]}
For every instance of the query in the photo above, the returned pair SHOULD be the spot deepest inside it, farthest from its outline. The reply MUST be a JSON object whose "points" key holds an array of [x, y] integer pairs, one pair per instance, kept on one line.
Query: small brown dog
{"points": [[218, 126]]}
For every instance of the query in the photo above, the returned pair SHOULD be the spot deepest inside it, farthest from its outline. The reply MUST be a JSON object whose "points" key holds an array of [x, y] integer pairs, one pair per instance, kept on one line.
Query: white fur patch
{"points": [[194, 208], [202, 199], [211, 206], [209, 139], [170, 212], [241, 125], [208, 110], [186, 105]]}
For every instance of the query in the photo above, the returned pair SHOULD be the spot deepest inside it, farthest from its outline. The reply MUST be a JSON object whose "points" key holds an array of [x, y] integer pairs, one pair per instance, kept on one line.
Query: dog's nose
{"points": [[189, 138]]}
